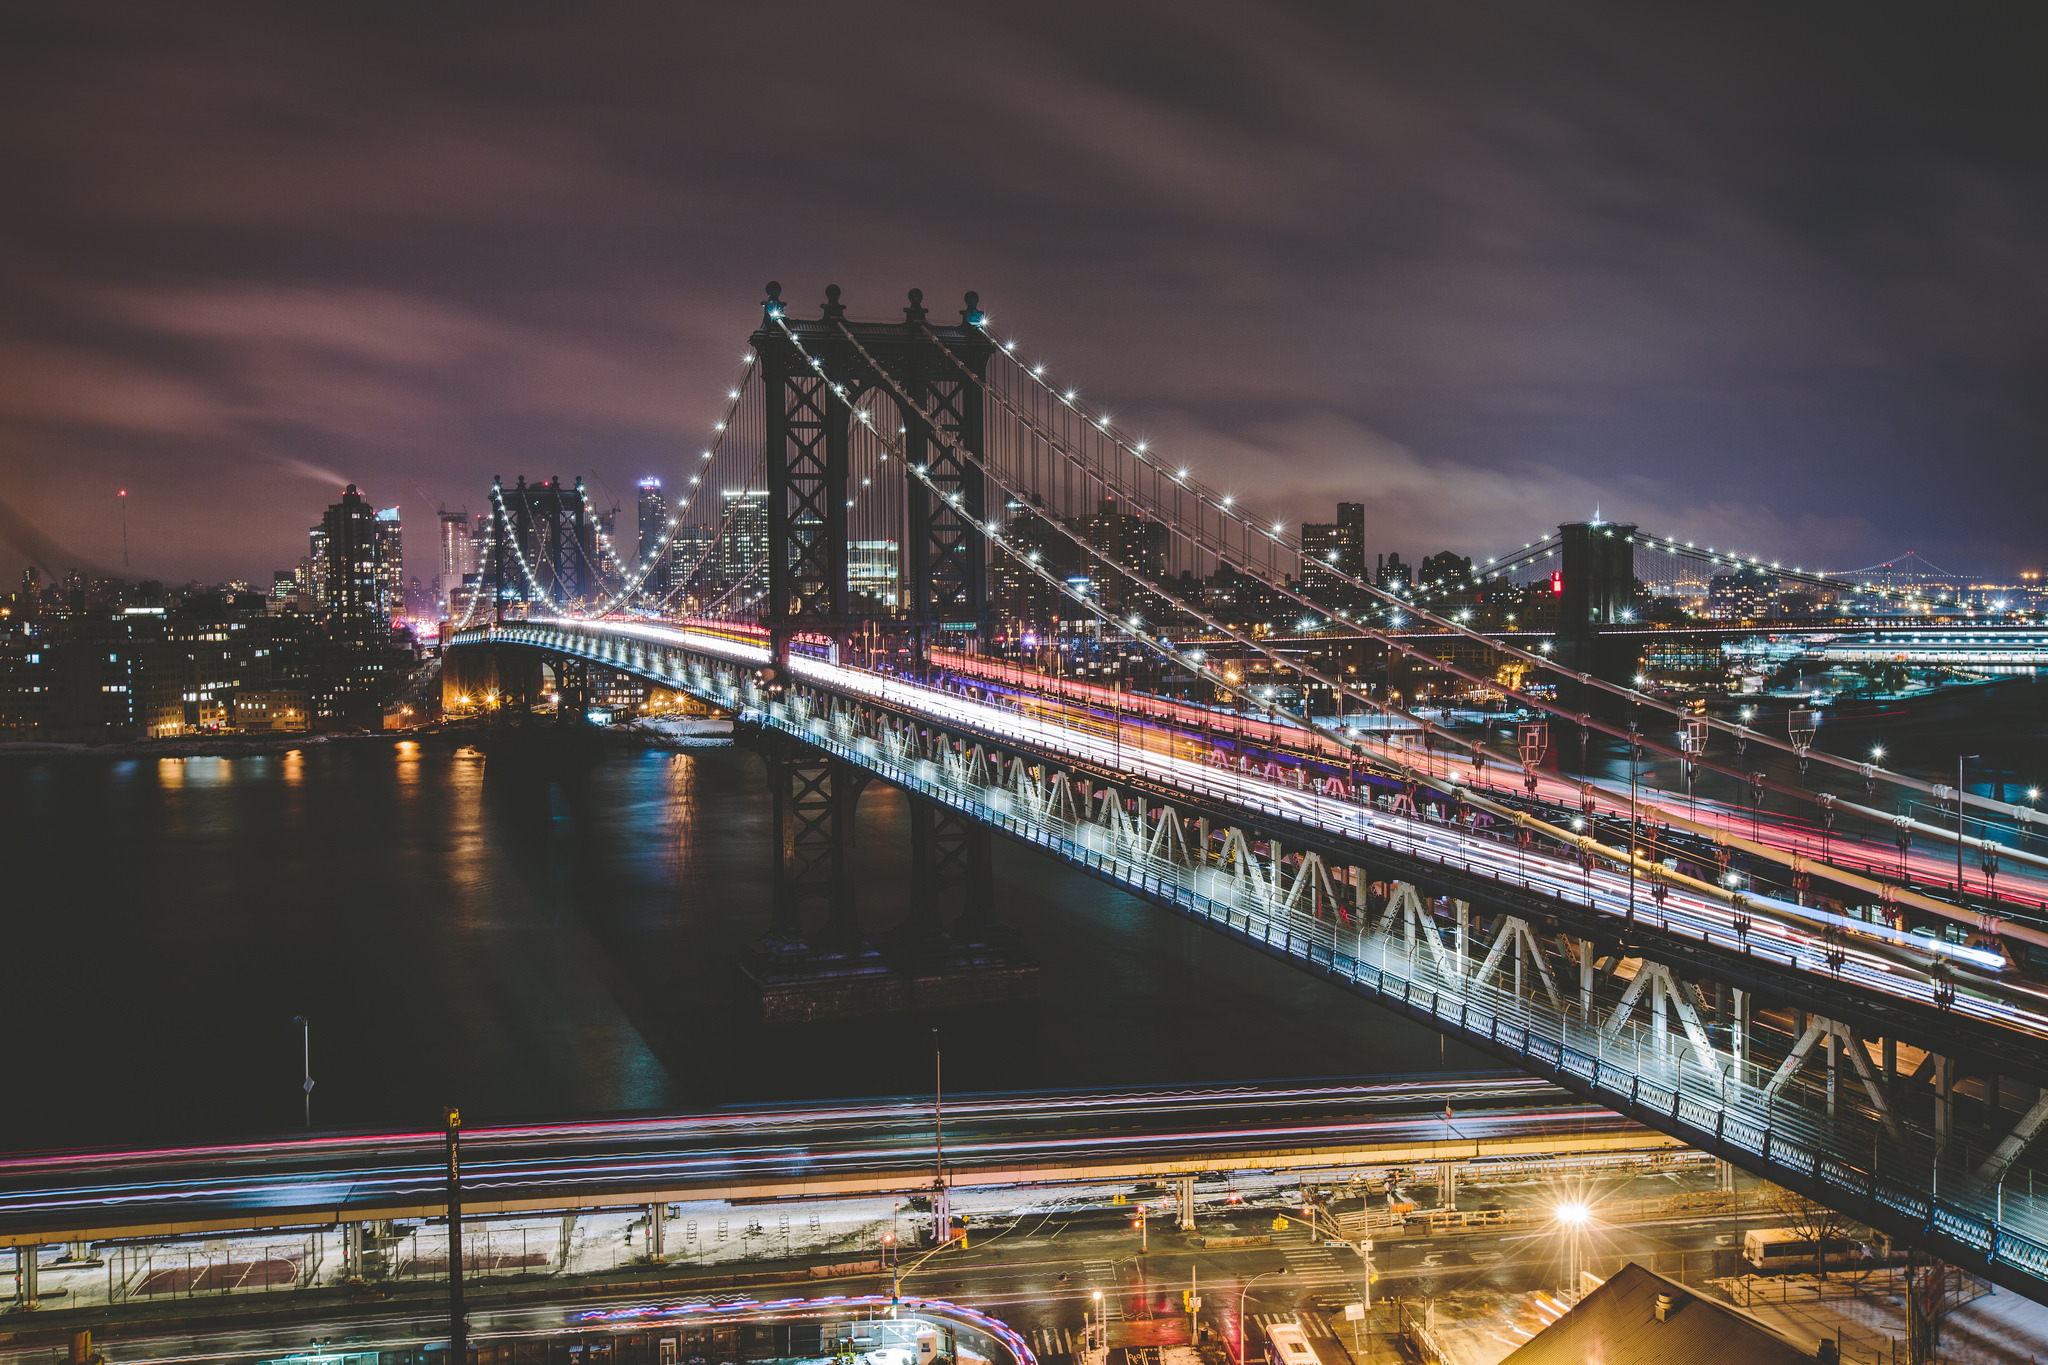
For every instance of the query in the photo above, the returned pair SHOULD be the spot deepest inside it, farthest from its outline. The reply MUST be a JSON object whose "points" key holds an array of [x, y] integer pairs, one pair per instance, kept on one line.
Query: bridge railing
{"points": [[1847, 1159], [1900, 1178]]}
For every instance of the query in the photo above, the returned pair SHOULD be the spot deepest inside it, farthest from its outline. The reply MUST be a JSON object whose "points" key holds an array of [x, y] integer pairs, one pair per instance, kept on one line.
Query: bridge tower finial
{"points": [[916, 311], [771, 307], [834, 309], [972, 315]]}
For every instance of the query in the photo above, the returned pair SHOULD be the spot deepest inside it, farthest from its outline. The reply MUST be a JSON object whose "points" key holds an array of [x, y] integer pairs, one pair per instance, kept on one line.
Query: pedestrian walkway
{"points": [[1311, 1324], [1102, 1274], [1047, 1342], [1332, 1276]]}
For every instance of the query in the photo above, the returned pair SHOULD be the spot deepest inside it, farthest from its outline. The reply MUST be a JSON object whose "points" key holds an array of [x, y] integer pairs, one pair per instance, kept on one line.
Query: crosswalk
{"points": [[1311, 1324], [1048, 1341], [1328, 1276], [1312, 1260], [1102, 1274]]}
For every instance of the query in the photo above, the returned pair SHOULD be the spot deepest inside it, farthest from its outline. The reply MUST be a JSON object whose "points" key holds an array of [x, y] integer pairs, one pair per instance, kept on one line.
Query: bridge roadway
{"points": [[1879, 980], [860, 1147], [1855, 981]]}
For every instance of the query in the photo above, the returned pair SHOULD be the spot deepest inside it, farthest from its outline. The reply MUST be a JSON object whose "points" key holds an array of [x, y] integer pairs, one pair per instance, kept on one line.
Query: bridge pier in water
{"points": [[816, 963]]}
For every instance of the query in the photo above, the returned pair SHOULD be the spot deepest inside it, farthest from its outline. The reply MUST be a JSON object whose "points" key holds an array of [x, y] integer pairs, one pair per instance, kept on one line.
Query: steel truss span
{"points": [[857, 462], [1647, 1011]]}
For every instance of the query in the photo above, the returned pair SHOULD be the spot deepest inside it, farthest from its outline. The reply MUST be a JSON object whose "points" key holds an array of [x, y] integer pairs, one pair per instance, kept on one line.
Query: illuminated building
{"points": [[351, 584], [650, 517], [744, 541], [390, 565]]}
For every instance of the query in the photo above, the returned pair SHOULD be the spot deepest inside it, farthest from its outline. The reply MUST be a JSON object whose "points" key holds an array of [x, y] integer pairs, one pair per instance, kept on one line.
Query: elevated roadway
{"points": [[1150, 810], [791, 1151]]}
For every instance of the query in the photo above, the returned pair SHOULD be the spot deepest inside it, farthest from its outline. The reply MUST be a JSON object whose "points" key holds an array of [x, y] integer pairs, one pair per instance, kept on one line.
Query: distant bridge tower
{"points": [[1599, 588], [1599, 574], [808, 429], [543, 525]]}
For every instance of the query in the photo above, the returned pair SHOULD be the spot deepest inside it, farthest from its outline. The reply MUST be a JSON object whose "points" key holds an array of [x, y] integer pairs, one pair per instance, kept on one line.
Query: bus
{"points": [[1286, 1344], [1780, 1251]]}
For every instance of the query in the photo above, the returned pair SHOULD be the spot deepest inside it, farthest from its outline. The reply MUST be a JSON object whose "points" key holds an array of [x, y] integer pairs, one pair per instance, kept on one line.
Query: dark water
{"points": [[528, 936]]}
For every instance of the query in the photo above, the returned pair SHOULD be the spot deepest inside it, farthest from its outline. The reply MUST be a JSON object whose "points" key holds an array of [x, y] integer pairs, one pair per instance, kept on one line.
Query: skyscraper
{"points": [[1322, 554], [651, 517], [1132, 540], [744, 542], [390, 565], [458, 555], [315, 586], [692, 564], [352, 584], [1351, 538], [874, 572]]}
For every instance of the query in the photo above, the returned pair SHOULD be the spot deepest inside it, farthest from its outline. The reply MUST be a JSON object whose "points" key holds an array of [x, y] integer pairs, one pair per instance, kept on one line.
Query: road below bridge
{"points": [[790, 1151]]}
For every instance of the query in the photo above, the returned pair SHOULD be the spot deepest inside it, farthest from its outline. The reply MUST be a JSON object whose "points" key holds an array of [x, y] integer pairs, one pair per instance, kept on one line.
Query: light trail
{"points": [[1773, 933]]}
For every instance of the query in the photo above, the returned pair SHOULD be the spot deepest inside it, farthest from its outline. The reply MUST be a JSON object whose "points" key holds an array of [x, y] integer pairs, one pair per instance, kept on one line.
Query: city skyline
{"points": [[646, 652], [1756, 303]]}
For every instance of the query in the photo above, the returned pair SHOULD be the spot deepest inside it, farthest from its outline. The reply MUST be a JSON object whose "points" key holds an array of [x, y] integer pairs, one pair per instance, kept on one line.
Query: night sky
{"points": [[1777, 283]]}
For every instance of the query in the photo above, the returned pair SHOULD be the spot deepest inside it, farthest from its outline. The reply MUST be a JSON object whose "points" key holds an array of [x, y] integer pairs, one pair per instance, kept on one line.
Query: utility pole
{"points": [[458, 1329], [1632, 826], [1959, 821], [942, 1212], [306, 1039]]}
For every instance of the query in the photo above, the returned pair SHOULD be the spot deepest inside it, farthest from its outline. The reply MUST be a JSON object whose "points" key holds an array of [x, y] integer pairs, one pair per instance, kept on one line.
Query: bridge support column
{"points": [[657, 1232], [1186, 1198], [948, 852], [25, 1290], [952, 950], [814, 798], [798, 973], [1944, 1102], [1739, 1040]]}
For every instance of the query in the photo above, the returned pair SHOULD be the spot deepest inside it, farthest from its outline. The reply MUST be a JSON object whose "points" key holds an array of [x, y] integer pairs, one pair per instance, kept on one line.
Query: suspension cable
{"points": [[519, 553], [1449, 786], [1279, 536]]}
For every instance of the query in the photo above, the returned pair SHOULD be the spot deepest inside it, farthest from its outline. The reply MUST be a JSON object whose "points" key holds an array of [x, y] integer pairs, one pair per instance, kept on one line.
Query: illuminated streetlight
{"points": [[1572, 1218]]}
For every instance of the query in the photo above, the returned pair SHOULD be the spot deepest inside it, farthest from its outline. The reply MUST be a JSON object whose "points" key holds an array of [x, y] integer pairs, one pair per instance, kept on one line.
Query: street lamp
{"points": [[306, 1056], [1246, 1289], [1959, 824], [1572, 1217]]}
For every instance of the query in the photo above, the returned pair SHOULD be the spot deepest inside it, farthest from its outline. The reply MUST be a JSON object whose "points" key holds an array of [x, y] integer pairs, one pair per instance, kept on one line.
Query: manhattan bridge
{"points": [[1854, 1024]]}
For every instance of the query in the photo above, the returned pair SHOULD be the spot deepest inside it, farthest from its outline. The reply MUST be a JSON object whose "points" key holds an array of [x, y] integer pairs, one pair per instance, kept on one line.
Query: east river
{"points": [[539, 937], [529, 935]]}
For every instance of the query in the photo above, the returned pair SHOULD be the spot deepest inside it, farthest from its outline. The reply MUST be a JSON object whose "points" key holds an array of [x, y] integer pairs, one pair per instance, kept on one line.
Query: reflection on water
{"points": [[531, 936]]}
